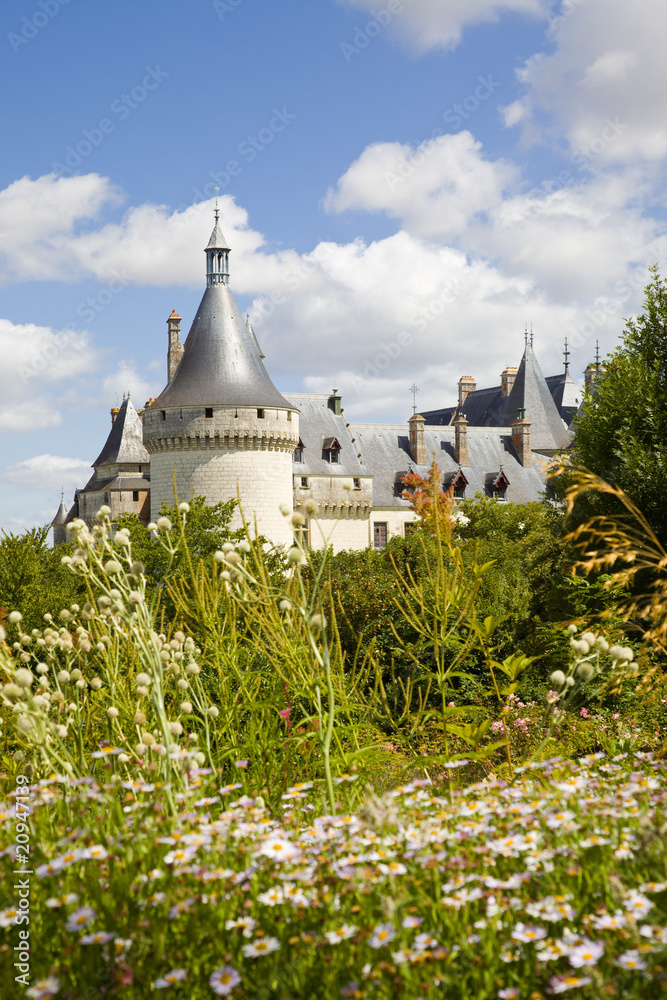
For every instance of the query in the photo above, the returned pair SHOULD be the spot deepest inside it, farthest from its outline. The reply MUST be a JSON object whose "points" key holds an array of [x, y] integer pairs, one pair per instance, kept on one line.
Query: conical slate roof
{"points": [[254, 338], [221, 363], [125, 443], [61, 516], [217, 240], [530, 392], [566, 395]]}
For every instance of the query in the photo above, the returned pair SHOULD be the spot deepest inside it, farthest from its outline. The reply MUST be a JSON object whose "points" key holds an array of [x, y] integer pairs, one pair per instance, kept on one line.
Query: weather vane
{"points": [[414, 389]]}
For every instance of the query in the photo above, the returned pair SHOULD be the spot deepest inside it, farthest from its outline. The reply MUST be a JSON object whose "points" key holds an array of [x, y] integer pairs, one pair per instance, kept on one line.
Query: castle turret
{"points": [[221, 427], [59, 522]]}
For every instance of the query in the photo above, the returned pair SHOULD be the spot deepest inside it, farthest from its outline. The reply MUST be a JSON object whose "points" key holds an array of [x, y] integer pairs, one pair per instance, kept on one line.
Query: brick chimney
{"points": [[416, 426], [507, 381], [175, 352], [521, 439], [466, 384], [461, 440]]}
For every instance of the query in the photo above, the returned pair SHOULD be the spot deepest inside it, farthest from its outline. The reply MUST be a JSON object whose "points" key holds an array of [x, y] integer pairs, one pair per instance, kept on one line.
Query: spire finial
{"points": [[531, 334], [597, 355], [414, 389], [62, 494], [566, 356], [525, 333]]}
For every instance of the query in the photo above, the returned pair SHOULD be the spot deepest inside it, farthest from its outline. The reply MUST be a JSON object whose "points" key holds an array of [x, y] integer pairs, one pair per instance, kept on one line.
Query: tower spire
{"points": [[217, 255], [566, 356]]}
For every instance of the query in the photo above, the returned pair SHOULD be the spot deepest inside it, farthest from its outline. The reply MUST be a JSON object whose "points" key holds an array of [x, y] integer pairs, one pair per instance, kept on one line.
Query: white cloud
{"points": [[36, 361], [126, 379], [429, 24], [436, 189], [48, 472], [606, 65]]}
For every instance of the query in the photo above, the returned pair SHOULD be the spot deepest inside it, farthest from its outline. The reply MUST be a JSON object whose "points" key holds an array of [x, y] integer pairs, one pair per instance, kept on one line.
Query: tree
{"points": [[621, 434]]}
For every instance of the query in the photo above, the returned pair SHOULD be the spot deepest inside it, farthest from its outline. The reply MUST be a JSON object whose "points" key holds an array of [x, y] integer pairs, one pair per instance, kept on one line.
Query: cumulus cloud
{"points": [[36, 362], [437, 188], [429, 24], [126, 379], [604, 64], [48, 472]]}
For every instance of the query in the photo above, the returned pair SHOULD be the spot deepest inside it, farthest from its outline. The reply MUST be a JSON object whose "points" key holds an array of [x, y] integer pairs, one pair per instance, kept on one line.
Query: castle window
{"points": [[298, 452], [163, 414], [304, 482], [357, 484], [289, 414], [260, 414], [208, 412], [456, 482], [135, 496], [497, 484], [331, 451], [380, 534]]}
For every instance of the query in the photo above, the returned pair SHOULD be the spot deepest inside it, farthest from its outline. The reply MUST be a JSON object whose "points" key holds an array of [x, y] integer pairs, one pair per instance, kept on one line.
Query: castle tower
{"points": [[59, 522], [220, 427]]}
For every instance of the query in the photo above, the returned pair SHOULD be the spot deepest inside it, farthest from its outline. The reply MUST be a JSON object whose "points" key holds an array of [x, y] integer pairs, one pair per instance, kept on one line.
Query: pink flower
{"points": [[241, 763], [284, 713], [584, 713]]}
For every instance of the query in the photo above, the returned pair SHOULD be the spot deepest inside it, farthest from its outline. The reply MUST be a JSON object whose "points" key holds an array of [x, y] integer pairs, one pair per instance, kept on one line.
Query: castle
{"points": [[222, 430]]}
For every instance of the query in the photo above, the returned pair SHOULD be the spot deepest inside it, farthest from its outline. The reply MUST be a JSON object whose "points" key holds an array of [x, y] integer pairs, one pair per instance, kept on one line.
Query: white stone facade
{"points": [[235, 453]]}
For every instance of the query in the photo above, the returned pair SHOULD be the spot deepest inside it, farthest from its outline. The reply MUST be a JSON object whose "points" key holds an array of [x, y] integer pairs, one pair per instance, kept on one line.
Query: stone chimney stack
{"points": [[507, 381], [335, 402], [461, 440], [416, 426], [466, 384], [521, 439], [175, 352], [115, 410]]}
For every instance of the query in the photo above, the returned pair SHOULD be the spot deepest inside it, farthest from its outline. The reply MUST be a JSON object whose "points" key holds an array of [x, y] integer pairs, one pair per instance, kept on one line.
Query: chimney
{"points": [[591, 374], [175, 352], [416, 426], [507, 381], [461, 440], [115, 410], [466, 384], [521, 439], [334, 402]]}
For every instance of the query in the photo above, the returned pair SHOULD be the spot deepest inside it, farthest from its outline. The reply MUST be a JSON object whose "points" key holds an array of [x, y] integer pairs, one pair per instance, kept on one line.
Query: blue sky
{"points": [[404, 183]]}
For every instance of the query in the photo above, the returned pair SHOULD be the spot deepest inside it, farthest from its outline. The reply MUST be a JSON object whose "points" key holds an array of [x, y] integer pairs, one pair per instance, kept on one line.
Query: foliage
{"points": [[554, 884], [433, 506], [621, 435]]}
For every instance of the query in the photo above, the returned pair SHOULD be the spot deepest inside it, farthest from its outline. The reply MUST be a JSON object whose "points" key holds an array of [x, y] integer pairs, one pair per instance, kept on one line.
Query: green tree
{"points": [[32, 579], [622, 430]]}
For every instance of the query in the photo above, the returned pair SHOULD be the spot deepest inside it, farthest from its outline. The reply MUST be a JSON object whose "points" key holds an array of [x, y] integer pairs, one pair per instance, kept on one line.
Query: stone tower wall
{"points": [[233, 454]]}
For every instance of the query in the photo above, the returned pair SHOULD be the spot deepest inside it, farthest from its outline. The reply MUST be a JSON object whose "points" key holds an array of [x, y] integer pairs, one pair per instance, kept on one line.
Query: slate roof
{"points": [[566, 395], [217, 240], [221, 363], [61, 516], [386, 455], [317, 425], [116, 484], [530, 392], [125, 444]]}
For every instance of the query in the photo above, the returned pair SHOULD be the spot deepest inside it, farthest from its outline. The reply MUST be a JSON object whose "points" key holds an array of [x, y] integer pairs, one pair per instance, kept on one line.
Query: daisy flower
{"points": [[637, 903], [7, 916], [261, 946], [245, 924], [631, 960], [561, 984], [412, 922], [586, 953], [99, 937], [341, 933], [223, 981], [44, 989], [278, 848], [382, 935], [607, 922], [511, 993], [80, 918], [169, 978], [179, 908], [527, 933], [424, 941], [272, 897]]}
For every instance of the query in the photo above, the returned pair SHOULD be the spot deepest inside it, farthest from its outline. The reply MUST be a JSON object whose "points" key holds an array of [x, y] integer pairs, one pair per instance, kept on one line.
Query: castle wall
{"points": [[233, 454]]}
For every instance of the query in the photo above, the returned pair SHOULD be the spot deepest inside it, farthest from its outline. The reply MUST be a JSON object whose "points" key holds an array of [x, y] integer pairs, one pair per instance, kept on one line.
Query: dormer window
{"points": [[298, 452], [456, 483], [331, 451], [497, 484]]}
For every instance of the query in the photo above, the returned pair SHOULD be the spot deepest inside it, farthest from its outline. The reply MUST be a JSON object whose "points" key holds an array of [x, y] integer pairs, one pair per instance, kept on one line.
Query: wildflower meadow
{"points": [[206, 793]]}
